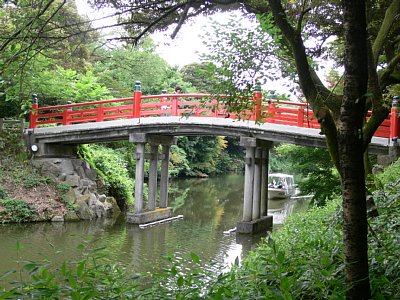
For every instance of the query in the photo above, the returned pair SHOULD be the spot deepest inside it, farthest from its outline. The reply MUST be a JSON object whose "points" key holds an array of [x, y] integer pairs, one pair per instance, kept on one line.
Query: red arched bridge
{"points": [[155, 120]]}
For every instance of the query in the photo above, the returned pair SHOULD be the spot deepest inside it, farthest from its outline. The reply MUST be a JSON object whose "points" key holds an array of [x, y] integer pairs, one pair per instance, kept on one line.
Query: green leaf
{"points": [[180, 281], [80, 269], [174, 271], [280, 257], [195, 258]]}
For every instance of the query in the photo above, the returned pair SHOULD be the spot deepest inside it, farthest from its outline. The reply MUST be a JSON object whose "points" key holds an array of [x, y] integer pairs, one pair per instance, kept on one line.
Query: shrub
{"points": [[62, 189], [3, 193], [112, 167], [303, 259], [34, 180], [16, 210]]}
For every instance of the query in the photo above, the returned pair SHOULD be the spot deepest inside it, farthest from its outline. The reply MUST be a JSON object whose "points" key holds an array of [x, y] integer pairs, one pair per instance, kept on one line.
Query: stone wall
{"points": [[84, 194]]}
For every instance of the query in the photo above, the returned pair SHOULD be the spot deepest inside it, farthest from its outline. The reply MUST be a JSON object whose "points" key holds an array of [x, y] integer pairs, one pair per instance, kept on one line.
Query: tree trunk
{"points": [[350, 140]]}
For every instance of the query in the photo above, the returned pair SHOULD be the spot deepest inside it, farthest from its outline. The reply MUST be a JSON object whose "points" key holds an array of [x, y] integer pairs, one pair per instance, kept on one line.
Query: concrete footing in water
{"points": [[260, 225], [149, 216]]}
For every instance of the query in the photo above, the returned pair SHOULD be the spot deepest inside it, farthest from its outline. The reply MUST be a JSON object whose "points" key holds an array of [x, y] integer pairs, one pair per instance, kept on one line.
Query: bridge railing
{"points": [[198, 105], [288, 113]]}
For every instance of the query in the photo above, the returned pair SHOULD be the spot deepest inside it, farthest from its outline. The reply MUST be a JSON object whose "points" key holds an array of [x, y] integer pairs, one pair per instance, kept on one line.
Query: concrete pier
{"points": [[255, 204], [152, 213]]}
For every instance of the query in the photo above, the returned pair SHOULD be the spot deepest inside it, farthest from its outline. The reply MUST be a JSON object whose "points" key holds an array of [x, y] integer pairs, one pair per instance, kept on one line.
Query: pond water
{"points": [[210, 207]]}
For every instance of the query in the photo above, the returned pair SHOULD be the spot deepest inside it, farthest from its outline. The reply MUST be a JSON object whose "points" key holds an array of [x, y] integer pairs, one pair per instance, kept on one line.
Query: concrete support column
{"points": [[139, 177], [153, 212], [164, 176], [264, 182], [249, 143], [151, 204], [257, 184], [255, 218]]}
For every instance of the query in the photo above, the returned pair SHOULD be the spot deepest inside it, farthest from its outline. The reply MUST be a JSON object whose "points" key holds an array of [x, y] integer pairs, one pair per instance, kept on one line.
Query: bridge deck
{"points": [[176, 126]]}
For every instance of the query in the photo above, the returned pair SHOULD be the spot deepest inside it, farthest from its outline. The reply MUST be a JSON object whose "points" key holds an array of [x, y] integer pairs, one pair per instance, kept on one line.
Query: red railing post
{"points": [[257, 101], [100, 113], [66, 114], [137, 100], [394, 119], [300, 117], [34, 112], [174, 111]]}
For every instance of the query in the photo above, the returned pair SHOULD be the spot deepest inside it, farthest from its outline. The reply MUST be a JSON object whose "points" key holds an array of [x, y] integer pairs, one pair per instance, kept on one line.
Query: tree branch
{"points": [[300, 21], [181, 20], [384, 75], [390, 17], [170, 11], [18, 32]]}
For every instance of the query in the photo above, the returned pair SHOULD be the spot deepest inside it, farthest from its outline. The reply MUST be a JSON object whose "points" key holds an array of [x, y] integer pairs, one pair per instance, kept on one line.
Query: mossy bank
{"points": [[48, 189]]}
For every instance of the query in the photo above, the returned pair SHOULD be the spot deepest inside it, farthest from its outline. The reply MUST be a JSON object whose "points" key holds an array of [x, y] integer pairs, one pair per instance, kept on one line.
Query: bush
{"points": [[34, 180], [3, 193], [385, 237], [303, 259], [11, 144], [112, 167], [16, 210]]}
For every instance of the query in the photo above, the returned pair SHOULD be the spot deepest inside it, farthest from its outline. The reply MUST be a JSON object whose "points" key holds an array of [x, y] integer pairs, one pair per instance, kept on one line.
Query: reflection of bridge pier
{"points": [[255, 202], [152, 213]]}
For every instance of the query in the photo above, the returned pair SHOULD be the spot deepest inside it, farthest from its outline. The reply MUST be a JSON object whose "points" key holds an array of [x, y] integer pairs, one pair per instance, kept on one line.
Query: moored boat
{"points": [[280, 186]]}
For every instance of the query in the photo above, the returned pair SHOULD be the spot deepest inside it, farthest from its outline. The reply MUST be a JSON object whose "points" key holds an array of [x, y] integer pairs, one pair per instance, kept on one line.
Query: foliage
{"points": [[243, 56], [296, 262], [3, 193], [13, 210], [62, 189], [120, 67], [38, 36], [241, 59], [59, 85], [91, 277], [201, 76], [391, 174], [385, 237], [179, 161], [33, 181], [11, 144], [202, 153], [314, 167], [111, 167], [7, 108]]}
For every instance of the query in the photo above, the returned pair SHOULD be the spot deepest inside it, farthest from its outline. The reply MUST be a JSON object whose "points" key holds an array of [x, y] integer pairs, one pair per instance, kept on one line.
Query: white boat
{"points": [[280, 186]]}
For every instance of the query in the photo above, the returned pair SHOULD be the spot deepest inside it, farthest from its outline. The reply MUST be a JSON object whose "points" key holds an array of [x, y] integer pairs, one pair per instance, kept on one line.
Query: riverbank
{"points": [[52, 189], [25, 195]]}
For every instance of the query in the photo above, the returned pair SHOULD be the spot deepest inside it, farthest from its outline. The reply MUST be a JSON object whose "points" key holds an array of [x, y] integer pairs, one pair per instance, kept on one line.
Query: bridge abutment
{"points": [[255, 202], [152, 213]]}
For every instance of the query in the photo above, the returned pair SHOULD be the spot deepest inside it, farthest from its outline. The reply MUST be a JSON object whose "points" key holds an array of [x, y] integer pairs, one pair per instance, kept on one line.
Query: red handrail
{"points": [[198, 105]]}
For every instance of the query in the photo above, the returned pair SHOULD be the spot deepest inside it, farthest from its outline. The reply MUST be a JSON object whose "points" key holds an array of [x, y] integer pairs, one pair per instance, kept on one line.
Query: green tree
{"points": [[37, 36], [202, 153], [201, 76], [120, 67]]}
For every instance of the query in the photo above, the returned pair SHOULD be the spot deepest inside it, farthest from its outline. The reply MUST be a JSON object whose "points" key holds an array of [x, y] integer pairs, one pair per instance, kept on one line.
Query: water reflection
{"points": [[210, 207]]}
